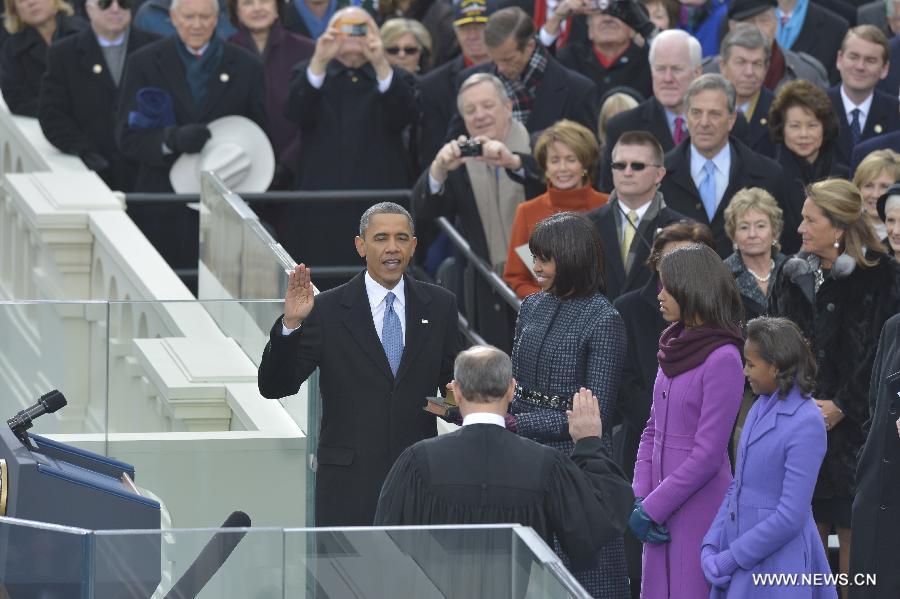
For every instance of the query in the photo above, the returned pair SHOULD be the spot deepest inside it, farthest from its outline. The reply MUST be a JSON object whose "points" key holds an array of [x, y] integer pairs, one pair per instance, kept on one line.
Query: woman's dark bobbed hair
{"points": [[572, 242], [703, 287]]}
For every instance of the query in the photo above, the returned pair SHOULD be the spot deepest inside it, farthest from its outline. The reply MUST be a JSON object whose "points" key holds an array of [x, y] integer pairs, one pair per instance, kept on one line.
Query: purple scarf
{"points": [[683, 349]]}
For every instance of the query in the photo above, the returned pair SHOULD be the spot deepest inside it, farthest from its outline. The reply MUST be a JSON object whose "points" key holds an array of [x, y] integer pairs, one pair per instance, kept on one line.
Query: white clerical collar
{"points": [[484, 418], [376, 292]]}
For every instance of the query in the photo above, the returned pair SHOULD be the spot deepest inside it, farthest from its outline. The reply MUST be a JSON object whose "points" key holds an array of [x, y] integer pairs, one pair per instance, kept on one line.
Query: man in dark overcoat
{"points": [[382, 342], [80, 90]]}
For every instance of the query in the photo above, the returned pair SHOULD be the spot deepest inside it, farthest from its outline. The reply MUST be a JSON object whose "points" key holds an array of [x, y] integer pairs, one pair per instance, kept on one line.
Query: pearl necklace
{"points": [[766, 278]]}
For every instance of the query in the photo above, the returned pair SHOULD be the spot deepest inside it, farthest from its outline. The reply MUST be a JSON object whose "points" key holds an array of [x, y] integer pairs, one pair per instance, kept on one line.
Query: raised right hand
{"points": [[327, 47], [299, 297], [584, 417]]}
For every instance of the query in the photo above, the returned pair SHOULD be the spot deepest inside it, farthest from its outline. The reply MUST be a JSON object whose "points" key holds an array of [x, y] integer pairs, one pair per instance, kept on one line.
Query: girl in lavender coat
{"points": [[682, 469], [765, 523]]}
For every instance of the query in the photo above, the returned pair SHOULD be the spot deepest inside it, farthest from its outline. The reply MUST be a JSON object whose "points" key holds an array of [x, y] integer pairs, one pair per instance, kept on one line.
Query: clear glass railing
{"points": [[493, 562]]}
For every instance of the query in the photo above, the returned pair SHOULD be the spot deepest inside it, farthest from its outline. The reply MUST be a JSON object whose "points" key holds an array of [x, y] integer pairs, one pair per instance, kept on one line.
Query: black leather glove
{"points": [[94, 161], [187, 139], [633, 14]]}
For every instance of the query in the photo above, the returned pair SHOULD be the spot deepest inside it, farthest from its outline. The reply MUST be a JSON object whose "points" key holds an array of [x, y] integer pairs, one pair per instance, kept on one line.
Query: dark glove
{"points": [[642, 526], [187, 139], [94, 161], [633, 14]]}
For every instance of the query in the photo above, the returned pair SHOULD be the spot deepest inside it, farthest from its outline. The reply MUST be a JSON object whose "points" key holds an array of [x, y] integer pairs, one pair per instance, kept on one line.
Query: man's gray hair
{"points": [[695, 51], [482, 373], [383, 208], [748, 36], [173, 6], [711, 82], [477, 78]]}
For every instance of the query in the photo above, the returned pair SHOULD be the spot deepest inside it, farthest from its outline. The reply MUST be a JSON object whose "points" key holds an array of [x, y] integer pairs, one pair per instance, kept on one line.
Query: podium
{"points": [[59, 484]]}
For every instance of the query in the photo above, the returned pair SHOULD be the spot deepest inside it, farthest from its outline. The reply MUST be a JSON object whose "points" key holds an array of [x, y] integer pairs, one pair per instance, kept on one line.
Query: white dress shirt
{"points": [[864, 108], [484, 418], [722, 162], [376, 294]]}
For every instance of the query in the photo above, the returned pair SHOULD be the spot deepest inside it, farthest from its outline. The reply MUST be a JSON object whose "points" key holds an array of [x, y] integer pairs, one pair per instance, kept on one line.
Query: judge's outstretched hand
{"points": [[584, 417], [299, 297]]}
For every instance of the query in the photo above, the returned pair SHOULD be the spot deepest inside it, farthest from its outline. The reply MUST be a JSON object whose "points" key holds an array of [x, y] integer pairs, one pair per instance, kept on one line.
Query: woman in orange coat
{"points": [[567, 153]]}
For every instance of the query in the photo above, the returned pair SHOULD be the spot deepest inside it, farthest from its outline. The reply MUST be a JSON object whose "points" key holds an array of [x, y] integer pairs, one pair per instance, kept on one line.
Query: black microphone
{"points": [[47, 404], [210, 559]]}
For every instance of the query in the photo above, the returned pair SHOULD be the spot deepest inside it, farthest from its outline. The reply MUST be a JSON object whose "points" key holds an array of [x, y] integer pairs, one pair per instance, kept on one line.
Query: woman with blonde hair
{"points": [[407, 44], [874, 175], [839, 289], [567, 153], [33, 25]]}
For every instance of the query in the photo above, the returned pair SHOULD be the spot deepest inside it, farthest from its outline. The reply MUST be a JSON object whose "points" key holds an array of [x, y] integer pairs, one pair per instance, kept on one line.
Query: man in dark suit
{"points": [[863, 111], [203, 77], [891, 84], [542, 90], [819, 32], [352, 108], [635, 211], [382, 342], [437, 97], [80, 91], [675, 59], [491, 475], [744, 61], [705, 171], [482, 193]]}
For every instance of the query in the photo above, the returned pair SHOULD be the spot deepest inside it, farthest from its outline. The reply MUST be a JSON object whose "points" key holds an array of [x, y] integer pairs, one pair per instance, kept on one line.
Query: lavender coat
{"points": [[765, 519], [682, 468]]}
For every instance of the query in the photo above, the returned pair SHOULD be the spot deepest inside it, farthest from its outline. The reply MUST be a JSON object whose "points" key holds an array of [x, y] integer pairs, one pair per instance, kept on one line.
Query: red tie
{"points": [[679, 131]]}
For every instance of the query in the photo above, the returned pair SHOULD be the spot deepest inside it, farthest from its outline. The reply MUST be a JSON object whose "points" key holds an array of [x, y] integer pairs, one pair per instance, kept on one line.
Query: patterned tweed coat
{"points": [[559, 346]]}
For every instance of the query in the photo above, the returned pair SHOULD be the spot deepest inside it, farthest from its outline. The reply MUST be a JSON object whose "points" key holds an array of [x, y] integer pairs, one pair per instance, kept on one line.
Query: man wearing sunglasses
{"points": [[708, 168], [80, 90], [635, 212]]}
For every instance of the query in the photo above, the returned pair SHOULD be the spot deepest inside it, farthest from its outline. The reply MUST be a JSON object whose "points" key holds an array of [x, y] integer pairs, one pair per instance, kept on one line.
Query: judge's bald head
{"points": [[483, 374]]}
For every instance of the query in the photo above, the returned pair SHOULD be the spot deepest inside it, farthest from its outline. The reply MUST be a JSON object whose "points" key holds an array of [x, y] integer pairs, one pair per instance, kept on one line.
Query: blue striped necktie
{"points": [[392, 333]]}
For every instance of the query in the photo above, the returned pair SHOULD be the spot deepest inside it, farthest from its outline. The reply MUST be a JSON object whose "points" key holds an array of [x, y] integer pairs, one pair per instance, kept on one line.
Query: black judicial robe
{"points": [[485, 474]]}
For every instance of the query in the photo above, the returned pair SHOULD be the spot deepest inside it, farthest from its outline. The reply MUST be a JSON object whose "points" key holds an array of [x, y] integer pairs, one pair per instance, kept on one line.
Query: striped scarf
{"points": [[522, 91]]}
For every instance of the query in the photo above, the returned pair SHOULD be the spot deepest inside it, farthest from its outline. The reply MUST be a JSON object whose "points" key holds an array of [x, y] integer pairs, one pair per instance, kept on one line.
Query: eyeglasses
{"points": [[409, 50], [635, 166], [105, 4]]}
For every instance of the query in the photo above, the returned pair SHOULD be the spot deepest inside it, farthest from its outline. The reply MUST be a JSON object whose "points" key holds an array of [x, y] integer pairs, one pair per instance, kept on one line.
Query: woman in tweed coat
{"points": [[568, 336]]}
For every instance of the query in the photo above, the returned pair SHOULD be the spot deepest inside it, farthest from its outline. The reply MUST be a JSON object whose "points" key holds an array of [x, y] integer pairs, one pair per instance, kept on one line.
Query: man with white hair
{"points": [[172, 89], [202, 78], [675, 59], [478, 188]]}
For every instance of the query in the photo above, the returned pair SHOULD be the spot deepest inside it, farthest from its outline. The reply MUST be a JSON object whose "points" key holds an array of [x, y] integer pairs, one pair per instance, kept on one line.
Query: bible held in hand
{"points": [[439, 406]]}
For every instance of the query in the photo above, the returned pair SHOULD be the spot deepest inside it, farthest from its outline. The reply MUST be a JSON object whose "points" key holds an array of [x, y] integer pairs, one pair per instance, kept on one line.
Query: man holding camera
{"points": [[610, 57], [472, 181], [352, 107]]}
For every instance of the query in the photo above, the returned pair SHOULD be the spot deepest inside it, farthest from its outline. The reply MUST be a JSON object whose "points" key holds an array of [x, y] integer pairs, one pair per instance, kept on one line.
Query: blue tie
{"points": [[391, 333], [855, 129], [708, 189]]}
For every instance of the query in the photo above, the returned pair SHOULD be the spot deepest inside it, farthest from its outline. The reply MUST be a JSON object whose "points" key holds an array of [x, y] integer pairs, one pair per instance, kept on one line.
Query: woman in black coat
{"points": [[840, 289], [804, 127], [32, 26]]}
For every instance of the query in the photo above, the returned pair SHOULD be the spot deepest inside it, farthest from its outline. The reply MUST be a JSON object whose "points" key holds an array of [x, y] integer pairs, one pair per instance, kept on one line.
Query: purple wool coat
{"points": [[766, 520], [682, 469]]}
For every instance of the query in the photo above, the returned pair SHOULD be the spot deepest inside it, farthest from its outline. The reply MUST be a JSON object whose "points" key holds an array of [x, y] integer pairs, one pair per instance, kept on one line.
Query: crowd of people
{"points": [[696, 201]]}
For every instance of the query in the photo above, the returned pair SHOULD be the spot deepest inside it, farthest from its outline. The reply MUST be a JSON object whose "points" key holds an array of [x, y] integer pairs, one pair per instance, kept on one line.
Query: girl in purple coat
{"points": [[682, 469], [765, 524]]}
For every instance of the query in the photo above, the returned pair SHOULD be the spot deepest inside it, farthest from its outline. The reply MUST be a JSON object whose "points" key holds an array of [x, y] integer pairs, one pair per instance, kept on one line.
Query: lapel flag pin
{"points": [[224, 77], [97, 69], [878, 129]]}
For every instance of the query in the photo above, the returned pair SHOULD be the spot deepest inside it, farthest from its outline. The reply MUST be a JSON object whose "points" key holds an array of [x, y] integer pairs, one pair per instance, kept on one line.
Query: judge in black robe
{"points": [[483, 474]]}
